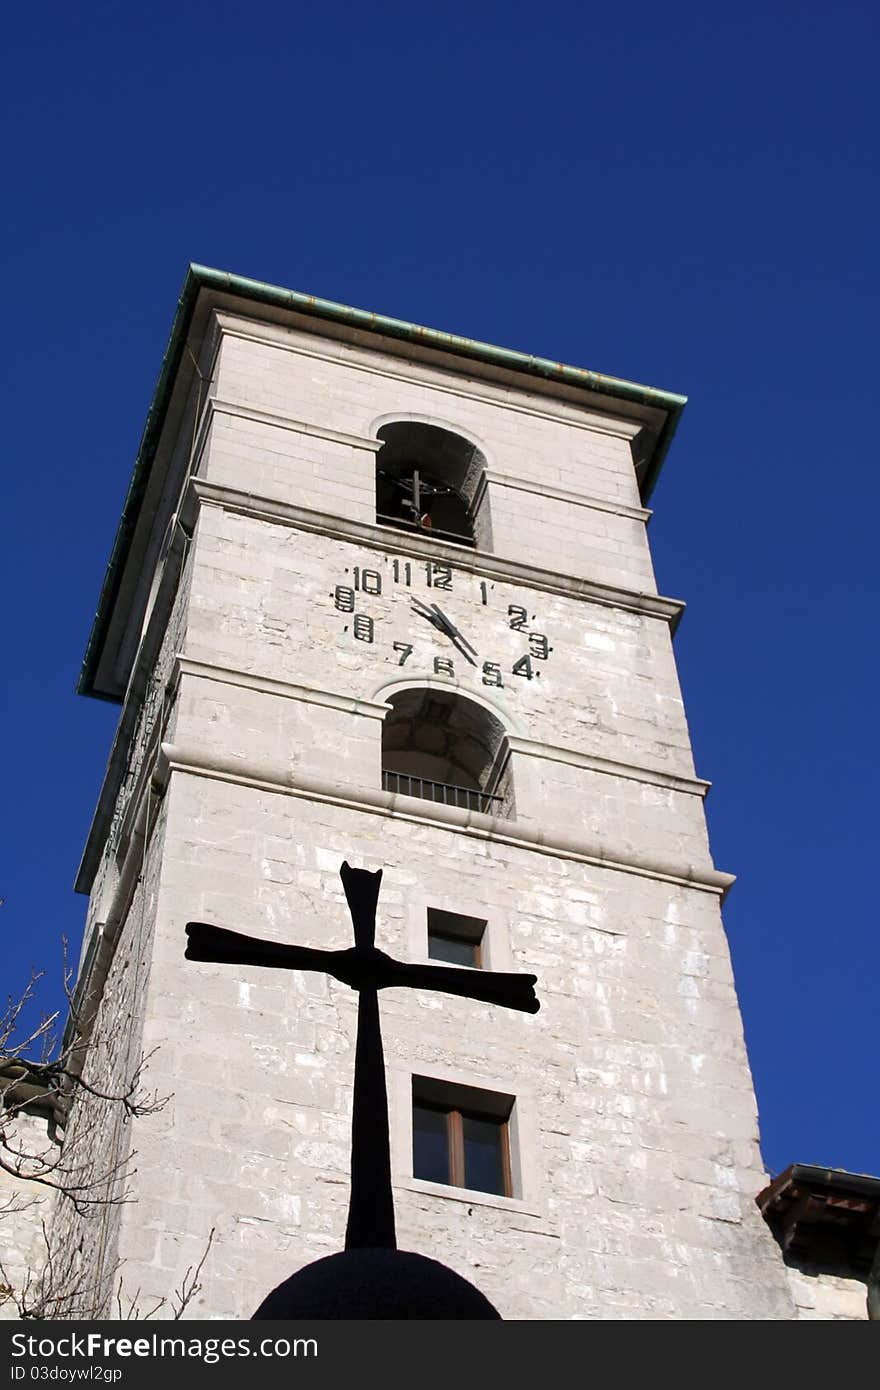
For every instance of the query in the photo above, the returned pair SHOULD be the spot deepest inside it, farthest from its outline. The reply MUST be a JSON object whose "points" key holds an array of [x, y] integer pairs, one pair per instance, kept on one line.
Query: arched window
{"points": [[433, 481], [440, 746]]}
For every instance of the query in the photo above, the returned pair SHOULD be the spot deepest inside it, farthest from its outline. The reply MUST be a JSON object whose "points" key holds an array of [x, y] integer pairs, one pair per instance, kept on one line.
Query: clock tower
{"points": [[384, 595]]}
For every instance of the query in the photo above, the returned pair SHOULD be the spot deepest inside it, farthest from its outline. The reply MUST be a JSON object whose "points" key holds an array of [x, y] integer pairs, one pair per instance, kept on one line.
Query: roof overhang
{"points": [[825, 1217]]}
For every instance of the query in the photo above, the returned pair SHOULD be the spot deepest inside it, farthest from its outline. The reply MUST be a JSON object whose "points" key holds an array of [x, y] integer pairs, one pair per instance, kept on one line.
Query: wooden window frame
{"points": [[455, 1139], [455, 1113]]}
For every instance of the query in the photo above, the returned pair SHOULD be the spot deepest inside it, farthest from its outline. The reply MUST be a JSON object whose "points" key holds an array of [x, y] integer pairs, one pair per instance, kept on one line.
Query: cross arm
{"points": [[209, 943], [509, 990]]}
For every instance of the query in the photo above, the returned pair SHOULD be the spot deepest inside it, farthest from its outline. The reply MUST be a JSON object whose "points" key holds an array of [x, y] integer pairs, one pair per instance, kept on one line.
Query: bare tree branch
{"points": [[191, 1283], [40, 1079]]}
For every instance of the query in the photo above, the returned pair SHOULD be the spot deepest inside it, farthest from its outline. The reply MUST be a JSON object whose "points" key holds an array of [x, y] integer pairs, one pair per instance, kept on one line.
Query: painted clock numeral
{"points": [[438, 576], [370, 581]]}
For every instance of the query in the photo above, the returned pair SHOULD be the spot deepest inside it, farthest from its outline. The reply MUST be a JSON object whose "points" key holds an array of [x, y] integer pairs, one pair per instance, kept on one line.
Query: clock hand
{"points": [[424, 611], [439, 620], [453, 632], [461, 646]]}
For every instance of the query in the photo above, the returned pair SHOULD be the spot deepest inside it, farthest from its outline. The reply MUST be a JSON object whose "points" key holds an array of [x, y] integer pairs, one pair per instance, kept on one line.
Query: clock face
{"points": [[431, 600]]}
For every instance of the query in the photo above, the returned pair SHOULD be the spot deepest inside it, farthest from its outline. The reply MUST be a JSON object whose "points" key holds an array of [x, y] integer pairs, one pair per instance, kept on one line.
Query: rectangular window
{"points": [[461, 1136], [455, 939]]}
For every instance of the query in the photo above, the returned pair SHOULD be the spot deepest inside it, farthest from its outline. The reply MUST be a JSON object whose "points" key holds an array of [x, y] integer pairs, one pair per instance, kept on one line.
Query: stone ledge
{"points": [[203, 670], [515, 1205], [202, 492], [374, 709], [560, 494], [694, 786], [201, 762], [215, 406]]}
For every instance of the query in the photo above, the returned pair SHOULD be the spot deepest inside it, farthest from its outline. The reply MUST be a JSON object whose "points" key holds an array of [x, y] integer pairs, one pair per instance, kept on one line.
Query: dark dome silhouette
{"points": [[375, 1283]]}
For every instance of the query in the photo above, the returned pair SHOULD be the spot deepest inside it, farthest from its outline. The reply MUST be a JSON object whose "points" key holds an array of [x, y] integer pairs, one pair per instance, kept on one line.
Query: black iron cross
{"points": [[367, 970]]}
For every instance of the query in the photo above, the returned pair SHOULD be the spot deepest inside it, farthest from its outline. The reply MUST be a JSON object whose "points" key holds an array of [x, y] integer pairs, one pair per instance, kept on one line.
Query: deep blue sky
{"points": [[674, 194]]}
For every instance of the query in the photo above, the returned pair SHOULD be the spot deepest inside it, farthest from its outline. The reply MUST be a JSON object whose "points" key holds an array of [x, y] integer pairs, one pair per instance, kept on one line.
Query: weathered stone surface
{"points": [[24, 1206], [636, 1145], [820, 1296]]}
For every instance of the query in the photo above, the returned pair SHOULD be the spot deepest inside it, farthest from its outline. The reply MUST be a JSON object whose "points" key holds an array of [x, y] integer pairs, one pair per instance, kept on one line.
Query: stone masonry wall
{"points": [[819, 1296], [266, 602], [546, 459], [102, 1139], [635, 1154], [636, 1119], [24, 1207]]}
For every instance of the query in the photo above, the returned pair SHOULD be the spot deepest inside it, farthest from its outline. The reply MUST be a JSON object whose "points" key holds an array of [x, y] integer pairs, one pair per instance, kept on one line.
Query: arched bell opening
{"points": [[432, 481], [442, 747]]}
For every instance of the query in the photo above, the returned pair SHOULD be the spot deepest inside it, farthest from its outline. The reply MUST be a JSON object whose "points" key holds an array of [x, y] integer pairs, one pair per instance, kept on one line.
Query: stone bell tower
{"points": [[383, 594]]}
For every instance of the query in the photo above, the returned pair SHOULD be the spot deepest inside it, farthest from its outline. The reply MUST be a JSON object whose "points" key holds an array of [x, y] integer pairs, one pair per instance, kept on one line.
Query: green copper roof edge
{"points": [[200, 277], [433, 337]]}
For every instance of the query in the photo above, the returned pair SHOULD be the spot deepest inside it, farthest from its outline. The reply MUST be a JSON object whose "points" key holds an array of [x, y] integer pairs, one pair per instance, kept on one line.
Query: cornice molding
{"points": [[215, 405], [204, 492], [423, 373], [694, 786], [377, 709], [196, 761], [559, 494], [266, 685]]}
